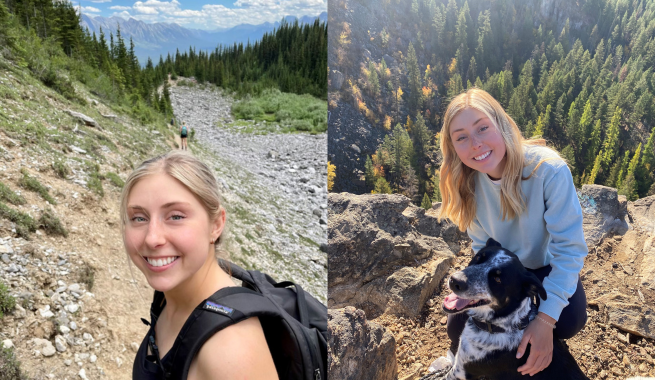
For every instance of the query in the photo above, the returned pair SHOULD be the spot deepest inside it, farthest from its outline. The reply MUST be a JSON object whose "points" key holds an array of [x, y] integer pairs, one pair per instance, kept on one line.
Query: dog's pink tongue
{"points": [[453, 302]]}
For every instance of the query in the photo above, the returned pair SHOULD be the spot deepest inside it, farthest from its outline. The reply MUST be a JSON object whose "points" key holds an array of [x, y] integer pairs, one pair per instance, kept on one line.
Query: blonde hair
{"points": [[194, 174], [457, 183]]}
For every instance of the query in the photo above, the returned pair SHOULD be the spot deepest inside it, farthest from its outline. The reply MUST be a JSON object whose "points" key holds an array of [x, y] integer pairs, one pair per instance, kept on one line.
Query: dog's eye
{"points": [[497, 279]]}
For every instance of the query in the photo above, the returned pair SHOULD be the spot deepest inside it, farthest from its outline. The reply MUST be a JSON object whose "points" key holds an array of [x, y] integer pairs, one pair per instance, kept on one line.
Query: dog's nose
{"points": [[458, 282]]}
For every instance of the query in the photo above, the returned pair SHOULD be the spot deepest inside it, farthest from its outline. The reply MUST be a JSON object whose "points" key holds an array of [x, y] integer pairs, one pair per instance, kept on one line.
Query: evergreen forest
{"points": [[46, 37], [580, 76]]}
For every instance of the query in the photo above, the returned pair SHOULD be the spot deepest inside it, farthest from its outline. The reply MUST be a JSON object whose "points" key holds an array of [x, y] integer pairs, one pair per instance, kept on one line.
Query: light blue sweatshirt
{"points": [[549, 231]]}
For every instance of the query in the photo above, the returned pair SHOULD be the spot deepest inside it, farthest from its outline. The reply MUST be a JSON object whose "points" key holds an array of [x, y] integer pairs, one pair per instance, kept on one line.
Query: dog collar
{"points": [[493, 329]]}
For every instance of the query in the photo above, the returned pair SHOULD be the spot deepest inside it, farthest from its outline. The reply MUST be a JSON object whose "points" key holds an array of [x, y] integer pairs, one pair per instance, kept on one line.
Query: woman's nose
{"points": [[476, 141], [155, 235]]}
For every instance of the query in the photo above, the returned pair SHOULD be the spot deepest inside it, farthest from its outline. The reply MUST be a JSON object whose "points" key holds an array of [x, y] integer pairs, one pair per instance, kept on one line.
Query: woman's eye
{"points": [[461, 138], [138, 219], [484, 128], [177, 217]]}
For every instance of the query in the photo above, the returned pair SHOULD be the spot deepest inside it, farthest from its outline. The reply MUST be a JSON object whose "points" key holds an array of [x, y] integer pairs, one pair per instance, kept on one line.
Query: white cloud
{"points": [[100, 1], [89, 10], [213, 16], [120, 8], [124, 15]]}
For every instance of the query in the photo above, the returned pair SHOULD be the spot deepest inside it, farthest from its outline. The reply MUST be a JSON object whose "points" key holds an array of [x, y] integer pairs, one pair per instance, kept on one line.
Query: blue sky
{"points": [[203, 14]]}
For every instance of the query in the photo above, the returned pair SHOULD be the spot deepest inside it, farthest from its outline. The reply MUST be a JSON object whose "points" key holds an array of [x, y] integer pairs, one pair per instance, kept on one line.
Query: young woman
{"points": [[184, 131], [173, 221], [496, 184]]}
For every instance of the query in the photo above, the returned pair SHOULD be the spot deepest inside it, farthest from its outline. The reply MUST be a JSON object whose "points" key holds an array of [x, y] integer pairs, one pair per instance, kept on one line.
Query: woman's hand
{"points": [[540, 337]]}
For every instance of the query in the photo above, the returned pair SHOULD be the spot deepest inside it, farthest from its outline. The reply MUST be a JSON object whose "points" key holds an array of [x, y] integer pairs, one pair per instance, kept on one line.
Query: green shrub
{"points": [[24, 223], [87, 276], [95, 178], [7, 302], [8, 195], [247, 110], [62, 85], [301, 125], [61, 168], [9, 366], [115, 180], [51, 224], [282, 115], [33, 184]]}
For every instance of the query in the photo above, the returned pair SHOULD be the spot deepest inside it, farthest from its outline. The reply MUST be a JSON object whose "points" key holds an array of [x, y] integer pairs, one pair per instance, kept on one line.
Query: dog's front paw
{"points": [[437, 375]]}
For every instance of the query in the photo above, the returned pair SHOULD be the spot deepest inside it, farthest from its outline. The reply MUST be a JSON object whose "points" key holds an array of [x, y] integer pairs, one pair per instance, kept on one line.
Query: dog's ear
{"points": [[532, 286], [492, 243]]}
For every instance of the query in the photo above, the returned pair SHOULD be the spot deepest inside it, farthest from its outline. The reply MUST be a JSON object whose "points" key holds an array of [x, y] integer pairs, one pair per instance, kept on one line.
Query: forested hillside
{"points": [[293, 58], [578, 74]]}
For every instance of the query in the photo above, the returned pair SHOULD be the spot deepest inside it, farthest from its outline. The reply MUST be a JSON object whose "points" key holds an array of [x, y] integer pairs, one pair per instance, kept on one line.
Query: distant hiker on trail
{"points": [[173, 121], [172, 225], [184, 131]]}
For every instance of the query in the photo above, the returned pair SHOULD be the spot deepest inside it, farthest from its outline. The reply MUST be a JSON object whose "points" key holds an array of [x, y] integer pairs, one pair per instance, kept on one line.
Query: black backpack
{"points": [[294, 323]]}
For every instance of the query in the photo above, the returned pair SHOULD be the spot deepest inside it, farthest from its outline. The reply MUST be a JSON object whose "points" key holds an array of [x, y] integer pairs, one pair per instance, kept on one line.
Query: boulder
{"points": [[642, 213], [87, 120], [603, 213], [336, 80], [647, 267], [408, 288], [619, 311], [359, 349], [369, 240]]}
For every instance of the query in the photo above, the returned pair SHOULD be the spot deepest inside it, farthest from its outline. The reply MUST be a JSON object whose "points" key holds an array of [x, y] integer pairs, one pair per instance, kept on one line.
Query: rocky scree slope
{"points": [[274, 187]]}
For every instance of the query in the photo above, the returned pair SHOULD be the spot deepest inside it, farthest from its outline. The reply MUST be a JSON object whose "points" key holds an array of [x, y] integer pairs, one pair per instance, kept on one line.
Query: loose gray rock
{"points": [[60, 343], [336, 80], [87, 120]]}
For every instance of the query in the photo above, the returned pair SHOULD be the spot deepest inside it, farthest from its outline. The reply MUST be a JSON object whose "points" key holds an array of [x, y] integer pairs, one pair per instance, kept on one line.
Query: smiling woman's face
{"points": [[478, 142], [168, 232]]}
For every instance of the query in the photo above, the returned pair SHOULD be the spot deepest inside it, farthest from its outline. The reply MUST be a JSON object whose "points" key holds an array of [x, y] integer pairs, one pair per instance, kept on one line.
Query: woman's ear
{"points": [[217, 226]]}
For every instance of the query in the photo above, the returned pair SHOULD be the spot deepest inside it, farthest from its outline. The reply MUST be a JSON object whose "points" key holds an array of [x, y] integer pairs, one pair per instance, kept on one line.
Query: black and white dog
{"points": [[496, 291]]}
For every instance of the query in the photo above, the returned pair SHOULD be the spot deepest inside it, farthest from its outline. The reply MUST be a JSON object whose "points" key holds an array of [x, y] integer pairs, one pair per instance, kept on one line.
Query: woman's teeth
{"points": [[161, 262], [482, 157]]}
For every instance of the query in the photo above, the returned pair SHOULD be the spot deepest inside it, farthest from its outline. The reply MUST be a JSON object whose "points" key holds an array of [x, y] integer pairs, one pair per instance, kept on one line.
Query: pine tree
{"points": [[628, 186], [591, 178], [436, 194], [369, 174], [426, 203], [612, 138], [593, 144], [373, 82], [381, 187], [414, 78], [331, 175]]}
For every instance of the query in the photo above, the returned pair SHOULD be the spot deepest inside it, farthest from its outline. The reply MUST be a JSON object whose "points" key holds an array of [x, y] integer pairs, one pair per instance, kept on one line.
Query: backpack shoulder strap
{"points": [[157, 305], [224, 308]]}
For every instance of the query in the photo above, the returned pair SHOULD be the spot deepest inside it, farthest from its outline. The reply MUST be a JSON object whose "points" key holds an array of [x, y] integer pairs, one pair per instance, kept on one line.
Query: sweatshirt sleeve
{"points": [[563, 217], [477, 234]]}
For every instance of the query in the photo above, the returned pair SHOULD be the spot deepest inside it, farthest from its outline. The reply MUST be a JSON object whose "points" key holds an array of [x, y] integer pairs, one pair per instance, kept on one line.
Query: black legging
{"points": [[571, 321]]}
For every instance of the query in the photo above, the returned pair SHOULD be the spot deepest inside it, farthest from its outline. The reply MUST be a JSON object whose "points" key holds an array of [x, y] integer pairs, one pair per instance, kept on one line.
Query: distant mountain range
{"points": [[153, 40]]}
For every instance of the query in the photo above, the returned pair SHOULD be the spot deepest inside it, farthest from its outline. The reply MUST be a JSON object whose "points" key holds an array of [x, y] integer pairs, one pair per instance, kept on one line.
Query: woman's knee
{"points": [[574, 316]]}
